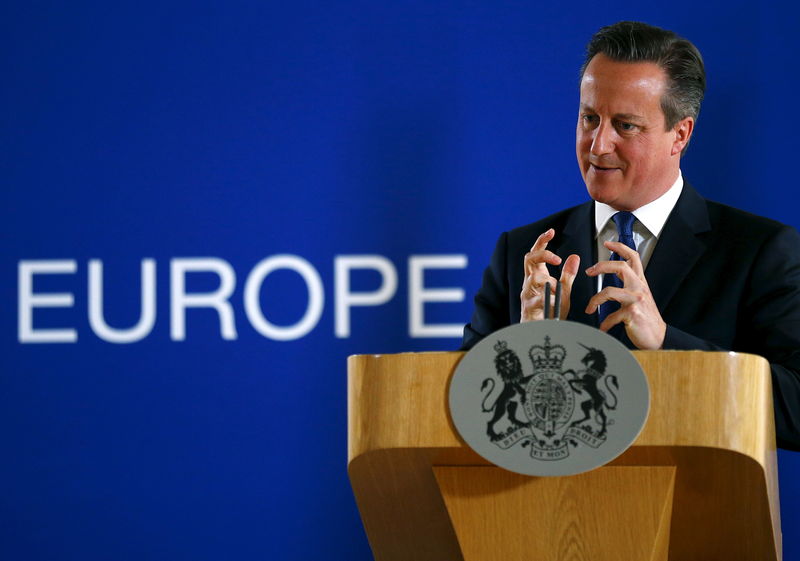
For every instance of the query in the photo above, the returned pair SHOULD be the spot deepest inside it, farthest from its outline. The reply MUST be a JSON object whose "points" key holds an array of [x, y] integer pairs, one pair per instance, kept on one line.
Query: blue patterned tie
{"points": [[624, 222]]}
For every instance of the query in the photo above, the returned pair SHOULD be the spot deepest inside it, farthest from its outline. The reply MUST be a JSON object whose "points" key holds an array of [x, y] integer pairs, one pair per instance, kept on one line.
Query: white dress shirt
{"points": [[650, 220]]}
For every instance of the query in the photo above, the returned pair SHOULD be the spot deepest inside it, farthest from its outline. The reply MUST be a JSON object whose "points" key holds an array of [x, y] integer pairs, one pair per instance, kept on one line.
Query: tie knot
{"points": [[624, 221]]}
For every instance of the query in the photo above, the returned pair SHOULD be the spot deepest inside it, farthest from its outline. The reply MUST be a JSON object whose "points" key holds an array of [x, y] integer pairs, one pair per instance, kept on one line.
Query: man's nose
{"points": [[603, 141]]}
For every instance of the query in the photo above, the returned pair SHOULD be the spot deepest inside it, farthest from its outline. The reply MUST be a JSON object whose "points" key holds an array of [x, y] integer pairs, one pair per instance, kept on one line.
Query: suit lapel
{"points": [[678, 247], [579, 239]]}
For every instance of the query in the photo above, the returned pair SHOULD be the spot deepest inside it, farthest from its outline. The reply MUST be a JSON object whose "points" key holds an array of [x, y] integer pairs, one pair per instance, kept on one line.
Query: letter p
{"points": [[345, 299]]}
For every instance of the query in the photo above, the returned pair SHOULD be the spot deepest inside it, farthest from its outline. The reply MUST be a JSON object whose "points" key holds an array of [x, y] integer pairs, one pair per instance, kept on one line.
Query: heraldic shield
{"points": [[549, 398]]}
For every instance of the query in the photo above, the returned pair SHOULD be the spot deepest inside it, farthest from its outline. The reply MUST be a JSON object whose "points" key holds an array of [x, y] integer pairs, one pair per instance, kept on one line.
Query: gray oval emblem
{"points": [[549, 398]]}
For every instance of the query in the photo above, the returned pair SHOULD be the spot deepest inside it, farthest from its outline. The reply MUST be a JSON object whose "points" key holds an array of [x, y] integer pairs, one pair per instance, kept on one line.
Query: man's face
{"points": [[626, 156]]}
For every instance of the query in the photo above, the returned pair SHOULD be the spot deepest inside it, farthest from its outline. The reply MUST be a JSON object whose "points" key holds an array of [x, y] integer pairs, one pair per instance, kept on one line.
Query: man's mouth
{"points": [[602, 169]]}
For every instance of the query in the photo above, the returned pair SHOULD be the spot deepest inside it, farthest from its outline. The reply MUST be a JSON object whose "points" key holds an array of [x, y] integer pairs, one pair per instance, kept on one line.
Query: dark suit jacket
{"points": [[723, 279]]}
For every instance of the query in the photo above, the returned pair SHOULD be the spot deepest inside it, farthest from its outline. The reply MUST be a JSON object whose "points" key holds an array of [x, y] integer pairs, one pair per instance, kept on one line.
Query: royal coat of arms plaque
{"points": [[549, 398]]}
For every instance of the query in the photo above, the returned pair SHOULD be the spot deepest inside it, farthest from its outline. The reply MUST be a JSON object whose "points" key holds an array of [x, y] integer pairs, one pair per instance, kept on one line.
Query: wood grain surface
{"points": [[424, 495]]}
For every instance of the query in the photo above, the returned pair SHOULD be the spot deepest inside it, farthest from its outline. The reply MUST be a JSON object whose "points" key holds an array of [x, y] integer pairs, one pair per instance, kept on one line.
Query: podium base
{"points": [[610, 513]]}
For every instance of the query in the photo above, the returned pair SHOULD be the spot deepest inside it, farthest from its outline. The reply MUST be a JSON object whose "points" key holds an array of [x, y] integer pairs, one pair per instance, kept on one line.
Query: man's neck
{"points": [[652, 215]]}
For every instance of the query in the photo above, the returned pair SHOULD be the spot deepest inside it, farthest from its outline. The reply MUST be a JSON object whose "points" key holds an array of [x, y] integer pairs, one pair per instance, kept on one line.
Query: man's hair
{"points": [[633, 41]]}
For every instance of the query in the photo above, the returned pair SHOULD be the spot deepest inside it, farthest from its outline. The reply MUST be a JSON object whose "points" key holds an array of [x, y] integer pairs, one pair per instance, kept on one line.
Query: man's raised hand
{"points": [[536, 276], [638, 311]]}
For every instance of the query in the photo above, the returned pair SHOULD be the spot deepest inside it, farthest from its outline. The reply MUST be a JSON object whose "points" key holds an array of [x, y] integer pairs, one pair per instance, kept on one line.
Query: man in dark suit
{"points": [[669, 269]]}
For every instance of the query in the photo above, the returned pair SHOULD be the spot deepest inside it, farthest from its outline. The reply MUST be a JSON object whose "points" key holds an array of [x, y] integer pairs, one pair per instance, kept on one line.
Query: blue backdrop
{"points": [[223, 161]]}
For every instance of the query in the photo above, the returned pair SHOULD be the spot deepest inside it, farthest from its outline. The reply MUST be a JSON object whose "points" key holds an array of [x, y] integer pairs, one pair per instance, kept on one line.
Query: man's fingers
{"points": [[570, 271], [535, 260], [620, 295], [630, 255], [620, 268], [543, 239], [537, 275], [534, 284], [568, 274], [612, 320]]}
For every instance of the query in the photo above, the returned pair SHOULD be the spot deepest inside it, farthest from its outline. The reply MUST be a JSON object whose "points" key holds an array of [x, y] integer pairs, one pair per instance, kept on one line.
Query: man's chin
{"points": [[603, 193]]}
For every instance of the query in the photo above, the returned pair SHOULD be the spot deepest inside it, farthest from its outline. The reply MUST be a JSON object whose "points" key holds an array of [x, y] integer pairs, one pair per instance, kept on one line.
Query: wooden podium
{"points": [[700, 482]]}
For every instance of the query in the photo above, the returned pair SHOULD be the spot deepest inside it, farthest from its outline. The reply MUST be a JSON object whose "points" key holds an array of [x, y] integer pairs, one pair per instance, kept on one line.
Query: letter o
{"points": [[252, 304]]}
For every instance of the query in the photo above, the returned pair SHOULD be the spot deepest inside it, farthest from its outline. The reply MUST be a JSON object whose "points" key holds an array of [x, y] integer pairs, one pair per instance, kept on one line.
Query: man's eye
{"points": [[627, 127], [589, 119]]}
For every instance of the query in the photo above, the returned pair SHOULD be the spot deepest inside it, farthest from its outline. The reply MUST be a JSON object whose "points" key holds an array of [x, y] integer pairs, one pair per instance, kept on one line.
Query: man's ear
{"points": [[683, 132]]}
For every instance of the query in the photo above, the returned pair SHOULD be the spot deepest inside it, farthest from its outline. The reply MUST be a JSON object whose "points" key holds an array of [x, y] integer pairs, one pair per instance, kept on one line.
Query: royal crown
{"points": [[549, 357]]}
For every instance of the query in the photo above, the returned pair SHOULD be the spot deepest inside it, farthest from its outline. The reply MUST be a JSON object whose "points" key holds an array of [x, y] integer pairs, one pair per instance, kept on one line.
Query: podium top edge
{"points": [[635, 353]]}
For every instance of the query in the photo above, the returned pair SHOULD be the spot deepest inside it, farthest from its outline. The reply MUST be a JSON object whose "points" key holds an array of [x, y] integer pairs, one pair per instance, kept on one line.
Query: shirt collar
{"points": [[652, 216]]}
